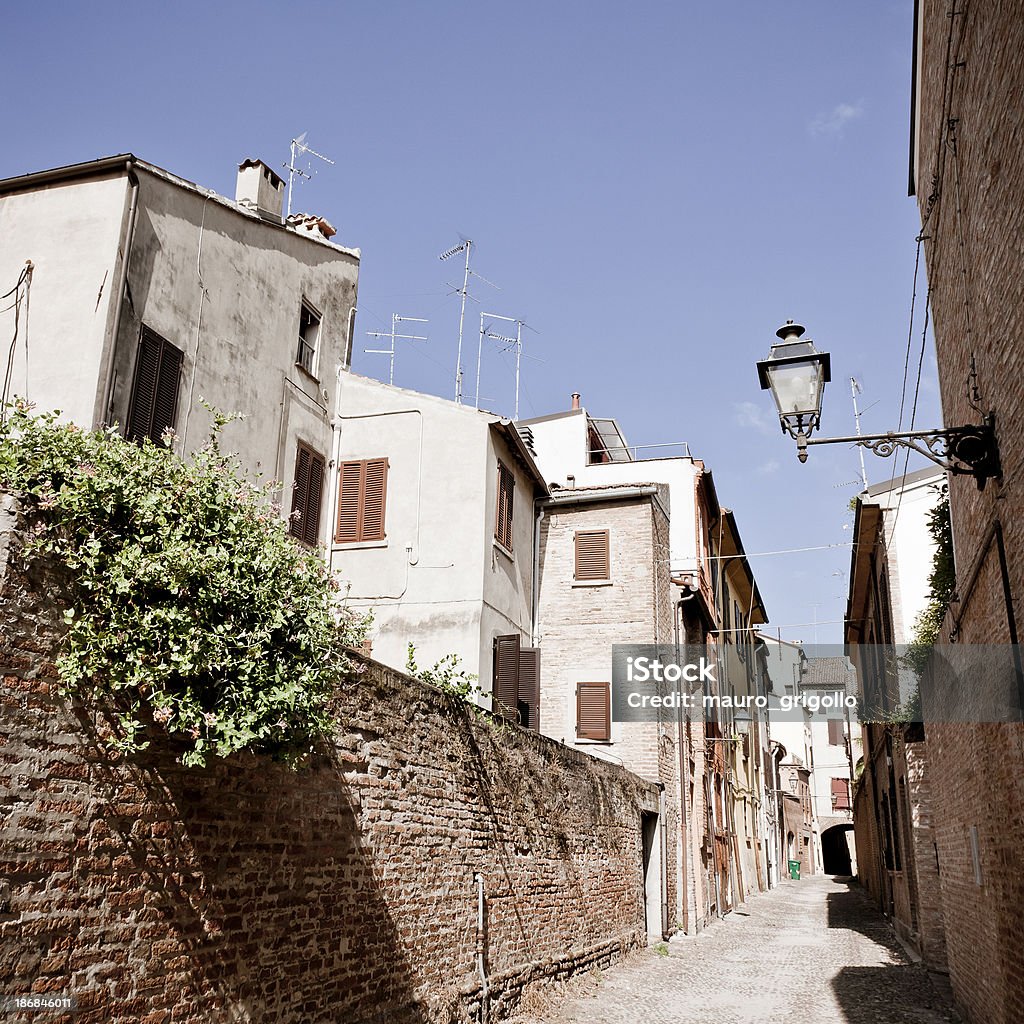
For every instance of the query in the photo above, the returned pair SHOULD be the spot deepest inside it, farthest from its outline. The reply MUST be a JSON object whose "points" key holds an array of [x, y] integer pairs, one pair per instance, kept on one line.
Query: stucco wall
{"points": [[71, 232], [438, 579]]}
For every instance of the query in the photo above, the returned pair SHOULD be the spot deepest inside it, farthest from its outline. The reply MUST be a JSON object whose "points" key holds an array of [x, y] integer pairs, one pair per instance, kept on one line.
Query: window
{"points": [[309, 333], [515, 693], [593, 711], [506, 501], [840, 794], [836, 733], [307, 490], [362, 493], [154, 401], [592, 555]]}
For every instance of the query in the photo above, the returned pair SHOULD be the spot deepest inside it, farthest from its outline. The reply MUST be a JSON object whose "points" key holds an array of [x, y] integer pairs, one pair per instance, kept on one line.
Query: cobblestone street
{"points": [[813, 951]]}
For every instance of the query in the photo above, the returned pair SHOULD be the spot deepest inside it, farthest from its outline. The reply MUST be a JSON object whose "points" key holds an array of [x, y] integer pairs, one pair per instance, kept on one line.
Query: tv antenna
{"points": [[395, 336], [516, 343], [856, 389], [298, 147], [465, 246]]}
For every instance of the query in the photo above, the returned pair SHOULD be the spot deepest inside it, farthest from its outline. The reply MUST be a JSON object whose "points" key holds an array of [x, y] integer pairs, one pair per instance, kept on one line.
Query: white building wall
{"points": [[438, 580], [71, 233]]}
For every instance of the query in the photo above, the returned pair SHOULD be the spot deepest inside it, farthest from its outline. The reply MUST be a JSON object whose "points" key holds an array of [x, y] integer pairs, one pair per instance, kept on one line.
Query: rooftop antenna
{"points": [[516, 343], [395, 336], [465, 246], [299, 146], [855, 390]]}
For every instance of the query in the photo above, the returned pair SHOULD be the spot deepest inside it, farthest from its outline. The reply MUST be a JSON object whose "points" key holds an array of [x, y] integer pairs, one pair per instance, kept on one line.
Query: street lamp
{"points": [[796, 373]]}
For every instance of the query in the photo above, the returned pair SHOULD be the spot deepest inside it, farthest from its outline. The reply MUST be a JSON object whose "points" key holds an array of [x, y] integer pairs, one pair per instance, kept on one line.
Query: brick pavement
{"points": [[814, 951]]}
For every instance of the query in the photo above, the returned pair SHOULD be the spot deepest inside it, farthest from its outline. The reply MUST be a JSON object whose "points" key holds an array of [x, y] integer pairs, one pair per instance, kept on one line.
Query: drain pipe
{"points": [[481, 965]]}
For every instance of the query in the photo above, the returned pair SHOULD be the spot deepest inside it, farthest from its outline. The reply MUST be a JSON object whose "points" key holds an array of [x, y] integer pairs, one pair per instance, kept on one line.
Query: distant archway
{"points": [[835, 850]]}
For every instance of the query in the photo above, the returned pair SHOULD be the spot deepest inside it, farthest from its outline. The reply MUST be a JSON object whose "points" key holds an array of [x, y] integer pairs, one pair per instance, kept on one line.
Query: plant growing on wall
{"points": [[941, 586], [447, 675], [191, 609]]}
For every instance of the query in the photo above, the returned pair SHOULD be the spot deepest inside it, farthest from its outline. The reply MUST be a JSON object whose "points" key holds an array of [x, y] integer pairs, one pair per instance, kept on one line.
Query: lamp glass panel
{"points": [[796, 387]]}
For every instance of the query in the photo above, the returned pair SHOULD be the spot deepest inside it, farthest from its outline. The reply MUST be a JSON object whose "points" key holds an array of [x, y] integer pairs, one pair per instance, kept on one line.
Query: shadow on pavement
{"points": [[891, 994]]}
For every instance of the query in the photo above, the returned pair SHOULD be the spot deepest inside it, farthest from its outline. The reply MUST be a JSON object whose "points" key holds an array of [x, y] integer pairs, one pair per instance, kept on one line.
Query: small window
{"points": [[515, 690], [592, 555], [593, 711], [836, 733], [309, 334], [154, 402], [362, 496], [505, 505], [840, 794], [307, 491]]}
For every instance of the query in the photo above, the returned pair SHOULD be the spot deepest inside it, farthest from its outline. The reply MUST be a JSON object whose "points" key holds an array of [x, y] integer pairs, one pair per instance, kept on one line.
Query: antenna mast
{"points": [[516, 343], [394, 336], [465, 246], [299, 146], [855, 389]]}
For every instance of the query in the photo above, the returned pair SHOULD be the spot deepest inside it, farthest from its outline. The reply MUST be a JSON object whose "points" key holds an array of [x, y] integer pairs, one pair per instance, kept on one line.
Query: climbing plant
{"points": [[190, 608]]}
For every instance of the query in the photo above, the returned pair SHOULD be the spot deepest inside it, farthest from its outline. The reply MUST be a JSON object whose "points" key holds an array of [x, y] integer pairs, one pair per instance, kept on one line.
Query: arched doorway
{"points": [[835, 850]]}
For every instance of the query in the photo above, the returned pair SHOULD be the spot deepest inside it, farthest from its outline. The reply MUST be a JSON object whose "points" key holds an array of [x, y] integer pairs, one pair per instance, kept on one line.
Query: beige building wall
{"points": [[439, 579]]}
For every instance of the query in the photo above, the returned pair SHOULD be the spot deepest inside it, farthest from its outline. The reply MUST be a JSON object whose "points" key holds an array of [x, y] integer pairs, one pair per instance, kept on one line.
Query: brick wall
{"points": [[970, 187], [245, 892]]}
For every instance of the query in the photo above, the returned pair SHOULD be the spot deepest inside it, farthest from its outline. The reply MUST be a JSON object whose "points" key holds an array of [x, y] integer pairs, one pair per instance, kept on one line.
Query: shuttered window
{"points": [[362, 497], [506, 501], [593, 711], [307, 492], [516, 690], [592, 555], [529, 688], [836, 736], [154, 401], [841, 794]]}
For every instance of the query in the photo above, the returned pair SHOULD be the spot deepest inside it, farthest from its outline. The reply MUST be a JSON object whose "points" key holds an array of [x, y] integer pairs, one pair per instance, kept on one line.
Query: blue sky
{"points": [[655, 188]]}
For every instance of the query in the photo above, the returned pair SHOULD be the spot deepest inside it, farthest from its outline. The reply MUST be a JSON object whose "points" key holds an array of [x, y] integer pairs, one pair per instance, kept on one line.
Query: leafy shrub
{"points": [[447, 675], [192, 609]]}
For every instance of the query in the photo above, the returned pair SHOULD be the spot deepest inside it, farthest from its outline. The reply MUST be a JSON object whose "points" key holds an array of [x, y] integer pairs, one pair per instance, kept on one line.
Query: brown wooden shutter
{"points": [[505, 505], [840, 794], [835, 732], [375, 477], [154, 400], [592, 555], [505, 691], [529, 687], [593, 711], [307, 492], [300, 493], [349, 490]]}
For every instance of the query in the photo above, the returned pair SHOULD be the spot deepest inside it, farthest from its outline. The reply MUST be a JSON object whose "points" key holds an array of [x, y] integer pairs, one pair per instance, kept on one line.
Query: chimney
{"points": [[575, 400], [260, 190]]}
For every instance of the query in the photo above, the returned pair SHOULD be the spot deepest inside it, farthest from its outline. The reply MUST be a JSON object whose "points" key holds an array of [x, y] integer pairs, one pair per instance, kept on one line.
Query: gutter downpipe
{"points": [[684, 819], [333, 483], [122, 283], [538, 518], [481, 965]]}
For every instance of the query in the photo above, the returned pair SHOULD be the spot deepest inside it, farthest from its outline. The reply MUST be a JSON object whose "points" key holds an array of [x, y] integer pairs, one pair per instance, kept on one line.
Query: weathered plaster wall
{"points": [[244, 892], [71, 232]]}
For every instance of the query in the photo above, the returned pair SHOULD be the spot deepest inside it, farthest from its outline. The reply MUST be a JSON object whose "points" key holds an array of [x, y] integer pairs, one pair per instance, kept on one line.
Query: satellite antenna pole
{"points": [[516, 343], [299, 146], [855, 389], [464, 246], [395, 336]]}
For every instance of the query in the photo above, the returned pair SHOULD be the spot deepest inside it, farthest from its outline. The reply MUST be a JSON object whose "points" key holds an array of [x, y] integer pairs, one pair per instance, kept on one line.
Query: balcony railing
{"points": [[630, 453]]}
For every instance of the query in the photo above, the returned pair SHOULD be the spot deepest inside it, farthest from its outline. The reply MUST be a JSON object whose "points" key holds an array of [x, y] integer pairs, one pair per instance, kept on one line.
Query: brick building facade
{"points": [[968, 175]]}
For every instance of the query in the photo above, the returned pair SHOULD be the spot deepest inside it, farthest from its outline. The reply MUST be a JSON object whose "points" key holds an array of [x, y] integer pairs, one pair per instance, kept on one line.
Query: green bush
{"points": [[192, 609]]}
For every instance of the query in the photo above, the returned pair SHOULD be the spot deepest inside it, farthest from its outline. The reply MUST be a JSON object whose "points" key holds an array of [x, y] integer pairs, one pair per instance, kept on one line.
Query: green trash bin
{"points": [[794, 870]]}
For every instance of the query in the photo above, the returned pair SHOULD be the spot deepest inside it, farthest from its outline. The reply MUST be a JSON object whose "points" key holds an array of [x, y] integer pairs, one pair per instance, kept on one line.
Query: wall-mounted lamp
{"points": [[796, 373]]}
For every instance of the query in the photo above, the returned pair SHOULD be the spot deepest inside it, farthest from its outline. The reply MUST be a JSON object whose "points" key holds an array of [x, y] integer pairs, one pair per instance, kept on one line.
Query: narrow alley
{"points": [[814, 950]]}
